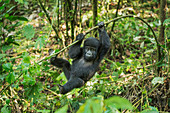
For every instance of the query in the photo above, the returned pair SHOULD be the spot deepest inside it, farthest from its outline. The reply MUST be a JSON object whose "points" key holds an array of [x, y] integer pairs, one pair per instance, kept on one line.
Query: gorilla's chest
{"points": [[81, 62], [82, 65]]}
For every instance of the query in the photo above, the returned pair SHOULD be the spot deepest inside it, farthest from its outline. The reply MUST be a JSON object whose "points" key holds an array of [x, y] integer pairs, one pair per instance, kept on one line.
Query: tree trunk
{"points": [[66, 17], [94, 8], [162, 13], [58, 14]]}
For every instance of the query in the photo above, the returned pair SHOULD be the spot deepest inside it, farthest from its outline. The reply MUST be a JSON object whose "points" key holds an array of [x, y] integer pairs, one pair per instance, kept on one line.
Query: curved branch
{"points": [[94, 28], [115, 19]]}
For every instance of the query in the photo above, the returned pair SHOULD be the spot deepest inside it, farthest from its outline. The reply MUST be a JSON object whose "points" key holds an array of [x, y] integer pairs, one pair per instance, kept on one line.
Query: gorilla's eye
{"points": [[93, 49], [88, 48]]}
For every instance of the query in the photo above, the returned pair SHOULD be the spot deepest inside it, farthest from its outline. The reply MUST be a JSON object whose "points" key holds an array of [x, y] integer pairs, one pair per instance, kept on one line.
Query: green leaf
{"points": [[7, 1], [7, 67], [61, 77], [158, 80], [2, 55], [150, 110], [62, 110], [93, 105], [118, 102], [126, 26], [115, 75], [28, 31], [2, 7], [33, 92], [6, 47], [5, 109], [11, 77], [40, 14], [13, 18], [40, 42], [44, 111], [149, 51], [27, 59], [27, 79], [166, 22], [19, 1], [148, 31], [142, 45]]}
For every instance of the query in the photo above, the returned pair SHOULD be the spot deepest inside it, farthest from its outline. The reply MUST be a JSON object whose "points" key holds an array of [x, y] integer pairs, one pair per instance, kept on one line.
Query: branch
{"points": [[57, 52], [94, 28]]}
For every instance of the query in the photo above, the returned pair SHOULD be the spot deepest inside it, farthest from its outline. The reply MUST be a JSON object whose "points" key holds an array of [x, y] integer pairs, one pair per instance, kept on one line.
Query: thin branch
{"points": [[56, 52], [115, 15], [94, 28]]}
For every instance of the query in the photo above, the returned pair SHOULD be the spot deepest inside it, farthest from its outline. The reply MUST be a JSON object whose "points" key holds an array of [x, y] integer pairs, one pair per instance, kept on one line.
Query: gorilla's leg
{"points": [[71, 84], [62, 63]]}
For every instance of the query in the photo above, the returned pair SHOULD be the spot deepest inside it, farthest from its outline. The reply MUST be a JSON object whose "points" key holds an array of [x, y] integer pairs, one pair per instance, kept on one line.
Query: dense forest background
{"points": [[133, 77]]}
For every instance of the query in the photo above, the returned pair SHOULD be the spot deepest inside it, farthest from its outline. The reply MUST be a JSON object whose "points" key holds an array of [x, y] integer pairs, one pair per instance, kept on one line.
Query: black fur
{"points": [[82, 69]]}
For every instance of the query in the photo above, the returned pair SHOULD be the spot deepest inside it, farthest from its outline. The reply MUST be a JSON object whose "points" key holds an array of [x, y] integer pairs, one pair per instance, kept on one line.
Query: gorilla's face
{"points": [[90, 53], [91, 46]]}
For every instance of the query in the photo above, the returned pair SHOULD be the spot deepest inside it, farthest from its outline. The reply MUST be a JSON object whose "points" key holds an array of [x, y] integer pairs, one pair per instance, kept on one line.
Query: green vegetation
{"points": [[133, 77]]}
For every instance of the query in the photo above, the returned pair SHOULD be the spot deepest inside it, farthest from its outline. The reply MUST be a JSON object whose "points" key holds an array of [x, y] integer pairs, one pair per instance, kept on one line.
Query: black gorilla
{"points": [[86, 59]]}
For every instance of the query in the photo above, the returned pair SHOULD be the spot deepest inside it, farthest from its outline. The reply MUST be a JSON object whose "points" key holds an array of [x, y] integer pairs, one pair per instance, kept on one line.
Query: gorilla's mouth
{"points": [[88, 57]]}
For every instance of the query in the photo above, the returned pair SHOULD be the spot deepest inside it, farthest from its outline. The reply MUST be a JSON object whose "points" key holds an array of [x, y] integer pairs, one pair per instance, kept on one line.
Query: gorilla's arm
{"points": [[62, 63], [104, 41], [75, 50]]}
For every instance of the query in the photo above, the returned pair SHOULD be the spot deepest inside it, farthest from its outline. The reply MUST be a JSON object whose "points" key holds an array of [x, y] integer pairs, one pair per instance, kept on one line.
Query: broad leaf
{"points": [[11, 77], [94, 105], [118, 102], [7, 67], [13, 18], [62, 110], [2, 55]]}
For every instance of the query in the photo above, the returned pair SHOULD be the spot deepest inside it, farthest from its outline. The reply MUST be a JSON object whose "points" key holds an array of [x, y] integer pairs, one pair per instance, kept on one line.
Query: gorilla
{"points": [[86, 59]]}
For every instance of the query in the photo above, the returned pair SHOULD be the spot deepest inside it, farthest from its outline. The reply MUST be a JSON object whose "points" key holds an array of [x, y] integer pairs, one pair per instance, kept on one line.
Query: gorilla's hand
{"points": [[80, 37], [50, 51], [101, 26]]}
